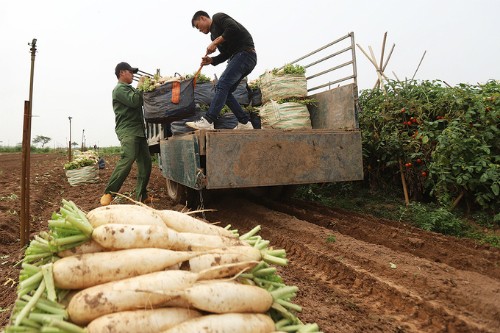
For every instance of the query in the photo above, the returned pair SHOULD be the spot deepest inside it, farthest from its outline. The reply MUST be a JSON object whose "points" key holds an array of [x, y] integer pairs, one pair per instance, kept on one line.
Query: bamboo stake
{"points": [[403, 181], [397, 78], [381, 66], [379, 73], [388, 57], [383, 51], [371, 60], [421, 59]]}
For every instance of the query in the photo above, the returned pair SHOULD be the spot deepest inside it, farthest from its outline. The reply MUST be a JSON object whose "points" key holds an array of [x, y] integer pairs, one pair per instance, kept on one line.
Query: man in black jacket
{"points": [[235, 44]]}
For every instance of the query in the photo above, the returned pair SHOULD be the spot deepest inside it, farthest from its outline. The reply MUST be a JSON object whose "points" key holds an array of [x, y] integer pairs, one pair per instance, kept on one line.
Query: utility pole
{"points": [[69, 144], [83, 136], [25, 177]]}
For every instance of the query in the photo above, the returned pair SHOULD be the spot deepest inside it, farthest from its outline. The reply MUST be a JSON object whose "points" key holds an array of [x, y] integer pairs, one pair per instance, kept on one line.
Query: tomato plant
{"points": [[452, 132]]}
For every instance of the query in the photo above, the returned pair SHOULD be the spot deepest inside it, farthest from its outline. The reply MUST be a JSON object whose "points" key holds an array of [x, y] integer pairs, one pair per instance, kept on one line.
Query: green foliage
{"points": [[147, 85], [299, 100], [82, 159], [202, 78], [290, 70], [41, 139], [446, 139], [356, 197], [331, 239], [437, 219]]}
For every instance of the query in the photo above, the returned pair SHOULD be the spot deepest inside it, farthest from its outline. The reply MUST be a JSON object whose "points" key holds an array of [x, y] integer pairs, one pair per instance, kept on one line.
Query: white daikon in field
{"points": [[137, 214], [144, 321], [127, 236], [87, 270], [123, 214], [144, 291], [226, 323]]}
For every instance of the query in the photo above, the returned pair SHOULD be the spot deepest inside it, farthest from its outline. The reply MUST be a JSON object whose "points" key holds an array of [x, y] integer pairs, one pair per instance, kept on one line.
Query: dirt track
{"points": [[355, 273]]}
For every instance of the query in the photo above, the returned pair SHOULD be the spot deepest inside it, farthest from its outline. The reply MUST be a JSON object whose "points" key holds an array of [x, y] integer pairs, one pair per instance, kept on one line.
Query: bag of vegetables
{"points": [[83, 168], [171, 101]]}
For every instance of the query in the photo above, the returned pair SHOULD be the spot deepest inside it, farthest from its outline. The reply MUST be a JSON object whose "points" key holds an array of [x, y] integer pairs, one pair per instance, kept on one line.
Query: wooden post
{"points": [[24, 226], [403, 181]]}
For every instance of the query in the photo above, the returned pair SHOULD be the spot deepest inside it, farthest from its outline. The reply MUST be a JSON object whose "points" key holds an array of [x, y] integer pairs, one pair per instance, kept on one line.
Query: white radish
{"points": [[86, 270], [87, 247], [124, 236], [183, 222], [218, 296], [226, 323], [144, 321], [140, 292], [123, 214], [229, 255]]}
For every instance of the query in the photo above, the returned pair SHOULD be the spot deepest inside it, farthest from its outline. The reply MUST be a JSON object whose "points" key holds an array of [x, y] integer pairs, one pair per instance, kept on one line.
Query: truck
{"points": [[273, 162]]}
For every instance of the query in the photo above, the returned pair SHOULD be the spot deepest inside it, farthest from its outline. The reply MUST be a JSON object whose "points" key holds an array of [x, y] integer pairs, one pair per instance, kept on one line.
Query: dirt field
{"points": [[355, 273]]}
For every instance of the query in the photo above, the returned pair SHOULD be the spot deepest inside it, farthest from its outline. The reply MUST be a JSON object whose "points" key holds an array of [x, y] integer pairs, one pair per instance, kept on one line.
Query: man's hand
{"points": [[141, 81], [213, 46], [206, 61]]}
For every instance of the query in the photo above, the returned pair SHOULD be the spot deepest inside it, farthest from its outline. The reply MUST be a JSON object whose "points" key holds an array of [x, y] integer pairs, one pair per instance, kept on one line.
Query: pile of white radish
{"points": [[131, 268]]}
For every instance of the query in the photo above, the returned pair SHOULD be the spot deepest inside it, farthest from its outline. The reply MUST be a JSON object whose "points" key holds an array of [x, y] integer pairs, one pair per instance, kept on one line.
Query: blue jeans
{"points": [[239, 66]]}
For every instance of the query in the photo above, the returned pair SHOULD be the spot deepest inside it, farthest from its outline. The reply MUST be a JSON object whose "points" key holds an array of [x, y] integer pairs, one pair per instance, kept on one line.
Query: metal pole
{"points": [[69, 144], [83, 135], [25, 178]]}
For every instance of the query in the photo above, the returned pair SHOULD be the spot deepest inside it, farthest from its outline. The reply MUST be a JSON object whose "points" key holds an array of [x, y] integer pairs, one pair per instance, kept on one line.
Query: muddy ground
{"points": [[355, 273]]}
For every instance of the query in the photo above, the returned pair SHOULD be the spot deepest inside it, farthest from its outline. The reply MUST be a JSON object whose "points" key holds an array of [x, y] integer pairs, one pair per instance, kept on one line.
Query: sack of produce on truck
{"points": [[219, 280], [204, 90], [283, 83], [204, 93], [241, 93], [173, 100], [83, 168], [179, 126], [226, 120], [289, 115], [255, 93]]}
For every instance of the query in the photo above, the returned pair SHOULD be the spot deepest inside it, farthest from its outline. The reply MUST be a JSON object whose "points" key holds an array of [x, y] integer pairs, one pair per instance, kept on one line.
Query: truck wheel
{"points": [[176, 191]]}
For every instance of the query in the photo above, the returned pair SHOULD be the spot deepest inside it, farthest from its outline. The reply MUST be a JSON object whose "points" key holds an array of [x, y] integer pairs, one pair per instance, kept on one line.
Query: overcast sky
{"points": [[80, 42]]}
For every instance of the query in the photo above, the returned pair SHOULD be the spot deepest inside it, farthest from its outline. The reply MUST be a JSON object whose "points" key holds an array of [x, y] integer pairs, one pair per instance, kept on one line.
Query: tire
{"points": [[177, 192], [182, 194]]}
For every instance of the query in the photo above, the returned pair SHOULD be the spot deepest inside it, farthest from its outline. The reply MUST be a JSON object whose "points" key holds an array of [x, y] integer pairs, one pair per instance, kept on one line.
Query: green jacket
{"points": [[127, 104]]}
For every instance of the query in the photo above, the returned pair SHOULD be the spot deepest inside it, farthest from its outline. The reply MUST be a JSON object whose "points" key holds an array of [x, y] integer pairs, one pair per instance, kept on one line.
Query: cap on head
{"points": [[124, 66]]}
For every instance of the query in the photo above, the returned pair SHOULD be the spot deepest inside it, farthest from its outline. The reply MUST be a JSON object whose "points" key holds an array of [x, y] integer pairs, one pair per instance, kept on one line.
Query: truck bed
{"points": [[234, 159]]}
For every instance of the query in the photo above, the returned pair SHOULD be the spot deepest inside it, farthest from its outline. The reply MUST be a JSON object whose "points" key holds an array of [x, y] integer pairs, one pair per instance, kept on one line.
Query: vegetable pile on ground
{"points": [[82, 159], [131, 268], [83, 168]]}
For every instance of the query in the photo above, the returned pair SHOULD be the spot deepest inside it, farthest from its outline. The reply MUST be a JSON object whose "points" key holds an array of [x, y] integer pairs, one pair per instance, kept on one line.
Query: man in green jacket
{"points": [[129, 127]]}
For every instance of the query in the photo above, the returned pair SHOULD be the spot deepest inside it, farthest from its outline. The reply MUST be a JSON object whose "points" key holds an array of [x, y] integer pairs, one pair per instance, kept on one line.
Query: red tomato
{"points": [[424, 174], [419, 161], [403, 110]]}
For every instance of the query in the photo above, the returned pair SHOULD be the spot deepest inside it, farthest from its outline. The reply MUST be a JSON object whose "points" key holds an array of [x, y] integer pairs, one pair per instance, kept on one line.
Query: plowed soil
{"points": [[355, 273]]}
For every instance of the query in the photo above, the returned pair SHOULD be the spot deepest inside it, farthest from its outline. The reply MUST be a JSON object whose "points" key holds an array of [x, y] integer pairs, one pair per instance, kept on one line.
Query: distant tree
{"points": [[74, 144], [41, 139]]}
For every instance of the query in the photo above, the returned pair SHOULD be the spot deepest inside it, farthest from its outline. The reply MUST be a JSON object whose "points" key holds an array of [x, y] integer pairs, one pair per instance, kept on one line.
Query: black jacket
{"points": [[236, 37]]}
